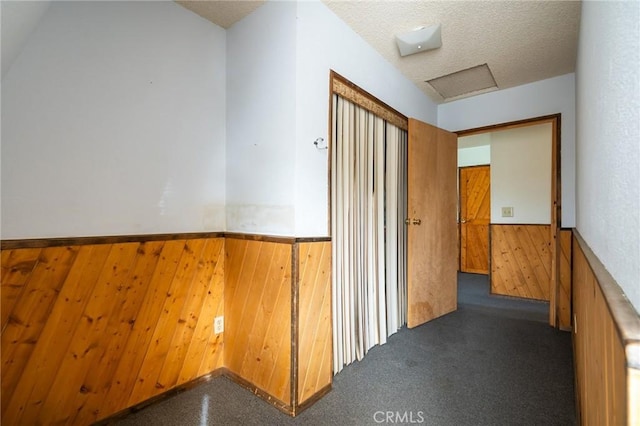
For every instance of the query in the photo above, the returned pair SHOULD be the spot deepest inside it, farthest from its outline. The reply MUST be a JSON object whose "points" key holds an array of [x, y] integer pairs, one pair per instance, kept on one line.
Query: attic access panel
{"points": [[470, 80]]}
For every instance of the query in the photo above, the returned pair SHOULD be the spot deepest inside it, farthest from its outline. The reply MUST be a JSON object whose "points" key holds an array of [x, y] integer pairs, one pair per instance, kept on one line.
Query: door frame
{"points": [[555, 205]]}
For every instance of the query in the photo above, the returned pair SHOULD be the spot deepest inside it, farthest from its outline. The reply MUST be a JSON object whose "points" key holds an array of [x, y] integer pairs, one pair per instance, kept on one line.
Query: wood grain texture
{"points": [[475, 215], [633, 409], [29, 317], [93, 329], [258, 314], [17, 266], [521, 261], [564, 289], [432, 249], [314, 319], [598, 352]]}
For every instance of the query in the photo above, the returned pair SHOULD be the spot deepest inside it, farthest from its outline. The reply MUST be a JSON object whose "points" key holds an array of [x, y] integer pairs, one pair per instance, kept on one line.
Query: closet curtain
{"points": [[368, 207]]}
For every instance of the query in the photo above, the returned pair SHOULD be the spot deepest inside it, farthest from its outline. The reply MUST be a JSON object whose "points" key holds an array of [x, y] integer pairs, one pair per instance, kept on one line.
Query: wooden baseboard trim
{"points": [[224, 372], [159, 398], [312, 399], [280, 405]]}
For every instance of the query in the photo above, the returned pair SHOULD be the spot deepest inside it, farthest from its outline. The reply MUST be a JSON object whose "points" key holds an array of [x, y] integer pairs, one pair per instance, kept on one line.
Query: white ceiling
{"points": [[520, 41]]}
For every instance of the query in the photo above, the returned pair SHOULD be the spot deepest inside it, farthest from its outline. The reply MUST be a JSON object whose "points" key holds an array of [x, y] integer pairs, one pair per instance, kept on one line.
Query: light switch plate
{"points": [[507, 212]]}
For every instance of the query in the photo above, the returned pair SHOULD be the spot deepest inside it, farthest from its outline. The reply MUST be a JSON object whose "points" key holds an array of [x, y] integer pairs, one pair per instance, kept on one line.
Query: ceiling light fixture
{"points": [[419, 40]]}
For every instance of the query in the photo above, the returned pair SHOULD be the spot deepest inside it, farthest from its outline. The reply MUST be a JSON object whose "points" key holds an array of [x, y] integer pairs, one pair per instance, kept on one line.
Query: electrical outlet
{"points": [[507, 212], [218, 325]]}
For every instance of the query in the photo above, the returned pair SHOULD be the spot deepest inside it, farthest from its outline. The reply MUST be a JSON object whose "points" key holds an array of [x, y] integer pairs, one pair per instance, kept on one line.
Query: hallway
{"points": [[494, 361]]}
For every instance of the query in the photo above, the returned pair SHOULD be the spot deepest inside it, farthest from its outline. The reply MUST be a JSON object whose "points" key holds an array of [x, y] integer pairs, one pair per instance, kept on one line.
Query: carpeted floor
{"points": [[494, 361]]}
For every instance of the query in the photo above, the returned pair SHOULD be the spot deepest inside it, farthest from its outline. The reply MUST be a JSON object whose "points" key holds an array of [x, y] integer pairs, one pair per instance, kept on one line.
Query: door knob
{"points": [[407, 221], [463, 221], [417, 221]]}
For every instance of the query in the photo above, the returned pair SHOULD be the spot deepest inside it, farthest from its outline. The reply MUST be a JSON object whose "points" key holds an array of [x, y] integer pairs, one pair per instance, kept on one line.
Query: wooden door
{"points": [[432, 249], [475, 215]]}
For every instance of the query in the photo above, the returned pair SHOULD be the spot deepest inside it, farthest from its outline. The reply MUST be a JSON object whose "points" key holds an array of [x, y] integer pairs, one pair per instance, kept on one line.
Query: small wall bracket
{"points": [[320, 143]]}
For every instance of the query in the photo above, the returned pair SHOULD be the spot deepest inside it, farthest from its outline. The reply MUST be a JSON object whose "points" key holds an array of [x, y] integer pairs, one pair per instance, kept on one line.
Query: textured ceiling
{"points": [[520, 41], [222, 13]]}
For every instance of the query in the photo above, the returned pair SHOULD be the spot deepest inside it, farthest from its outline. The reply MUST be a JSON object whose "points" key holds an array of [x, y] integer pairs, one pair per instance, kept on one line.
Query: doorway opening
{"points": [[510, 174]]}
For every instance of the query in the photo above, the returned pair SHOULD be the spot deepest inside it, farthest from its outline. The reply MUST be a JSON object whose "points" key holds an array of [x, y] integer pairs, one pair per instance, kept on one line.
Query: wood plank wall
{"points": [[258, 315], [315, 369], [521, 261], [606, 331], [88, 330], [563, 304], [633, 395]]}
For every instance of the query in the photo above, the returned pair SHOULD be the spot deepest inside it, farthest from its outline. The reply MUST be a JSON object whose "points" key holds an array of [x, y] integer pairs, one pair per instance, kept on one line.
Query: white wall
{"points": [[551, 96], [113, 122], [474, 150], [474, 156], [19, 19], [521, 174], [608, 138], [325, 42], [278, 105], [146, 125], [261, 121]]}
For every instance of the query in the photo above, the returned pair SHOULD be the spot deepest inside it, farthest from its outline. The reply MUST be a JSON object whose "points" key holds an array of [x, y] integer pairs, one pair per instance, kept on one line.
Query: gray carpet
{"points": [[492, 362]]}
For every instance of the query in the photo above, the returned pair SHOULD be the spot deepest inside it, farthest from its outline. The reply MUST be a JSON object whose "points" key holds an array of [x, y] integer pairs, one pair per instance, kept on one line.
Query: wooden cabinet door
{"points": [[432, 248], [475, 215]]}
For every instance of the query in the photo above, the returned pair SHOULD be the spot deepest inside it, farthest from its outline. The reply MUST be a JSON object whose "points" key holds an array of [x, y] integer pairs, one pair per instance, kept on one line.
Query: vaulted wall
{"points": [[608, 152], [113, 122]]}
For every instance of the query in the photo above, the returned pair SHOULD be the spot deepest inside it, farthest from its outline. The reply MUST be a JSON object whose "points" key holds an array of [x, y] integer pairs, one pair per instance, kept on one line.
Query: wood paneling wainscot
{"points": [[91, 329], [278, 318], [314, 319], [563, 305], [258, 315], [521, 261], [606, 344]]}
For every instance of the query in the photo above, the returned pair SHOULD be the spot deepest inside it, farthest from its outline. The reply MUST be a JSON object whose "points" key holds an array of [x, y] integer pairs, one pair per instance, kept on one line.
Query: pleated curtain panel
{"points": [[368, 207]]}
